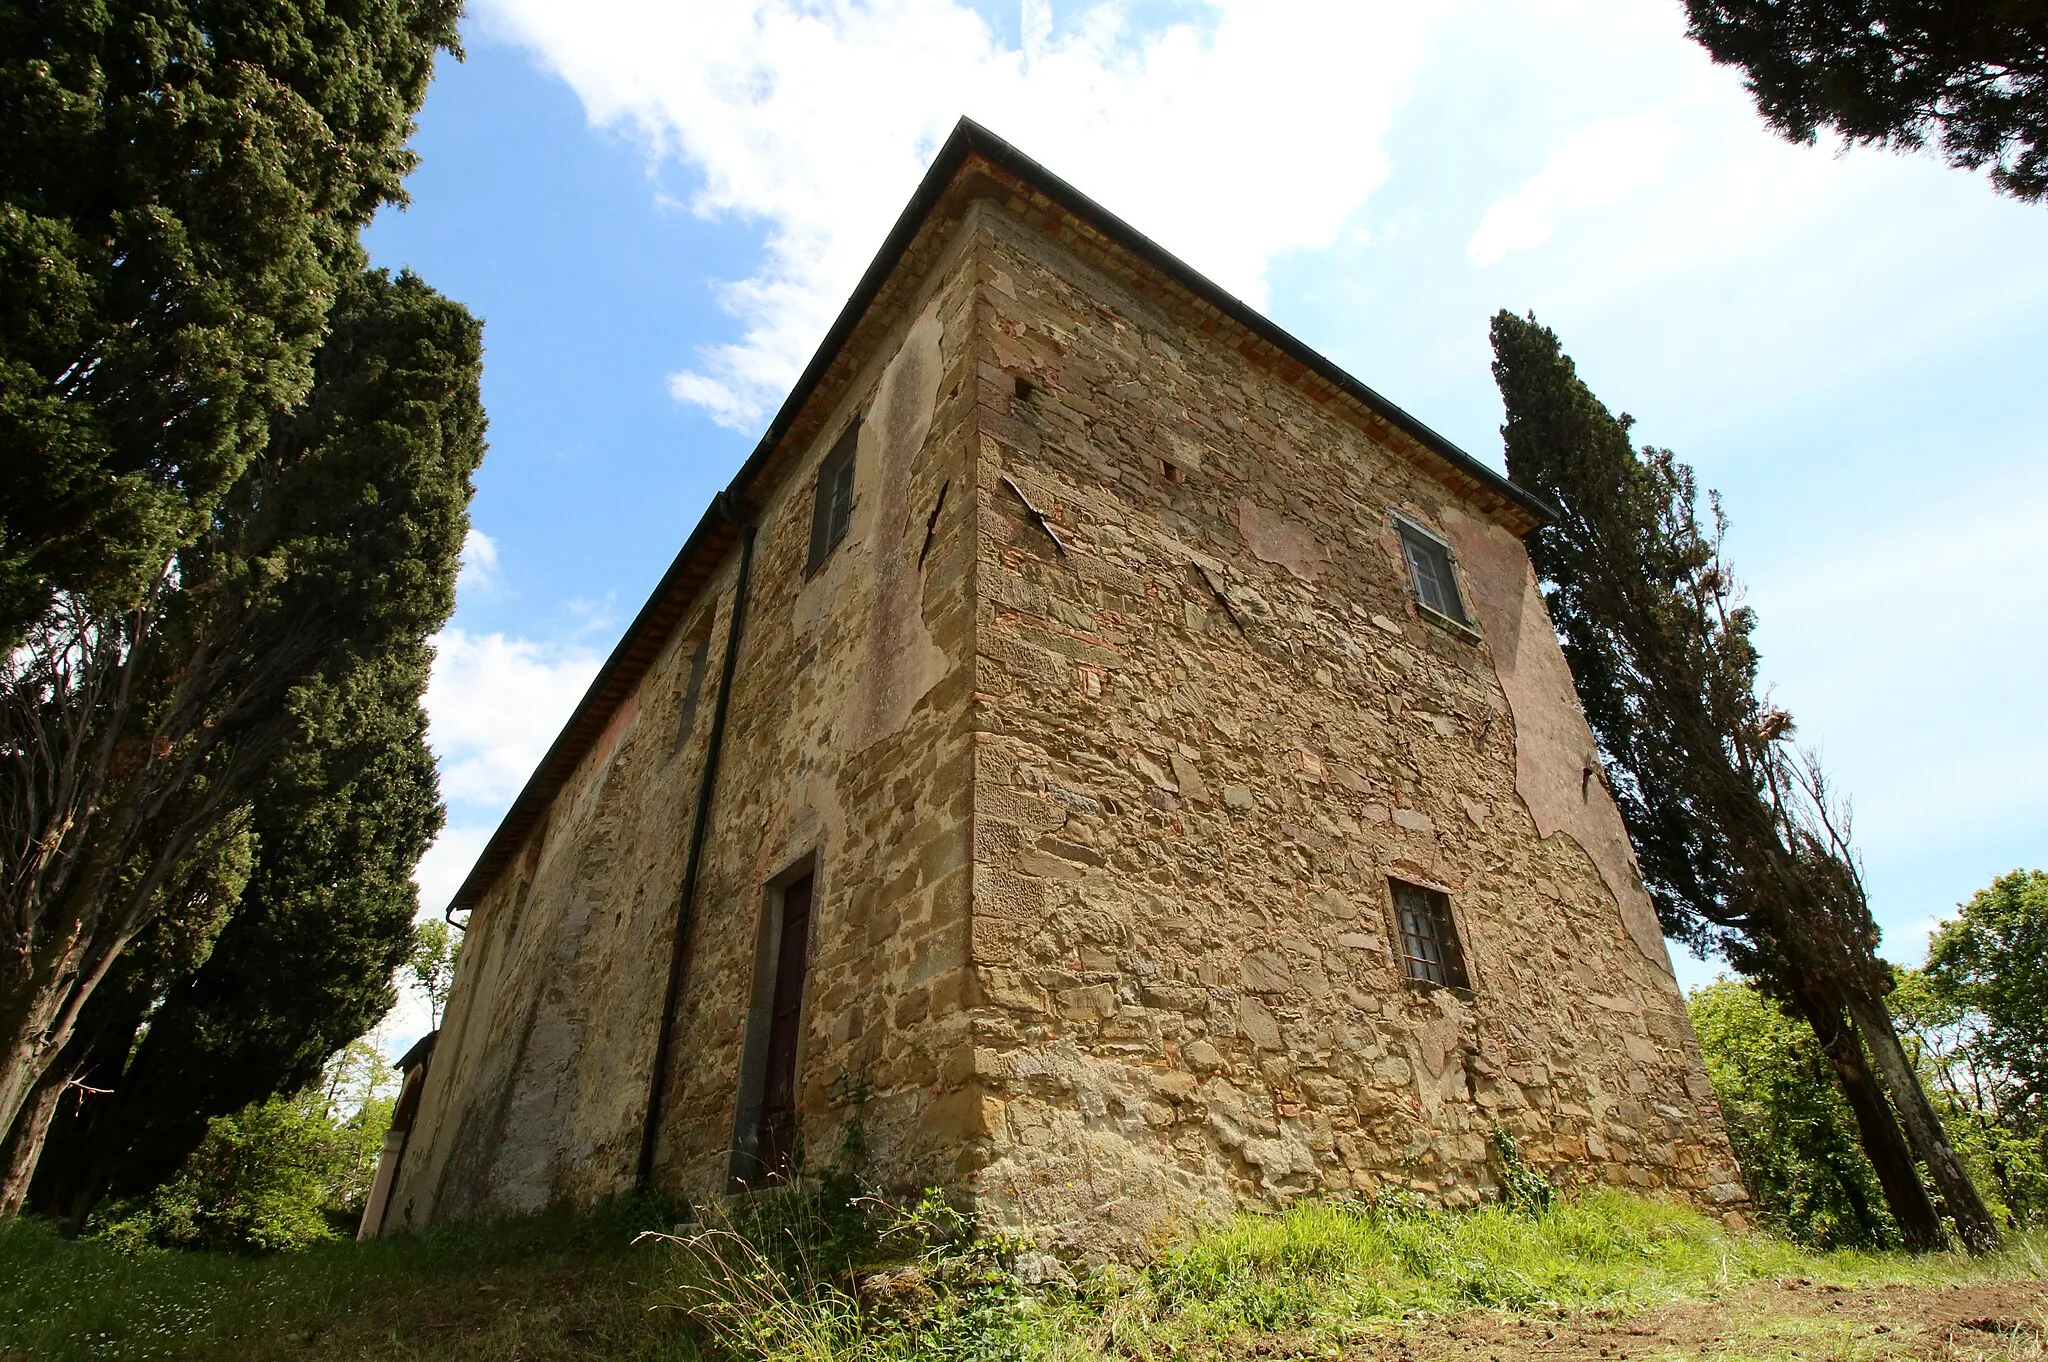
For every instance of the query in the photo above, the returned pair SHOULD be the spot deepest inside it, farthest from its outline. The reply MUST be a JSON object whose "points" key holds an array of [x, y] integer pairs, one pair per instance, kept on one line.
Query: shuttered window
{"points": [[1429, 939], [832, 502], [1429, 567]]}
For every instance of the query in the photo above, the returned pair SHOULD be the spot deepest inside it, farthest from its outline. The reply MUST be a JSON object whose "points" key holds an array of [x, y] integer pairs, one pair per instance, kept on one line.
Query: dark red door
{"points": [[777, 1142]]}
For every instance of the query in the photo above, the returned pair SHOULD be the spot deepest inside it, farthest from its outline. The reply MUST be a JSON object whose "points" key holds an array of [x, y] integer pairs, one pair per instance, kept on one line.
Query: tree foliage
{"points": [[1743, 846], [1793, 1134], [303, 966], [1969, 77], [432, 963], [1795, 1137], [281, 655], [1991, 962], [1999, 1134], [181, 187]]}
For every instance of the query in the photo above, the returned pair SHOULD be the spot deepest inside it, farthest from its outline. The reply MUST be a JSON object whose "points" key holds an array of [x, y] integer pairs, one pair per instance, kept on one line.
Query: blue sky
{"points": [[657, 206]]}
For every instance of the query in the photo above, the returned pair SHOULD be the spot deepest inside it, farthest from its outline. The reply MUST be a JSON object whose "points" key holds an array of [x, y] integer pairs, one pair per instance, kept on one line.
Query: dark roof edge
{"points": [[968, 139], [553, 769]]}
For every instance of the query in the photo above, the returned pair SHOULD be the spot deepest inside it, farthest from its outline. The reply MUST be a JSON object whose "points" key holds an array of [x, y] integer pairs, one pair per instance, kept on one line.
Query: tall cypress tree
{"points": [[303, 966], [1742, 848], [177, 940], [181, 187], [1971, 76], [131, 742]]}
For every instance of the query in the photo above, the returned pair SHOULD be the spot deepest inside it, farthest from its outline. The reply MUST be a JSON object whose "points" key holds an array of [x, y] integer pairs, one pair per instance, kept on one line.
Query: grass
{"points": [[1332, 1272], [824, 1276], [553, 1286]]}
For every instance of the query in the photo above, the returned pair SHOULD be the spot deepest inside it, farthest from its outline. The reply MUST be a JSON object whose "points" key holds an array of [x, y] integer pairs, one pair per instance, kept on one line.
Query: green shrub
{"points": [[1793, 1133], [278, 1175]]}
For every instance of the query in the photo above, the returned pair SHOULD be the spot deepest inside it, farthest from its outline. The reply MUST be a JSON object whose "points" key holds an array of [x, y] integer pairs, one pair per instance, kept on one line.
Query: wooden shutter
{"points": [[1429, 566], [832, 499]]}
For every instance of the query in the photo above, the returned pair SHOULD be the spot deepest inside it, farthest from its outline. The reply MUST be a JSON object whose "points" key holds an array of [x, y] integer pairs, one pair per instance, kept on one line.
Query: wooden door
{"points": [[776, 1144]]}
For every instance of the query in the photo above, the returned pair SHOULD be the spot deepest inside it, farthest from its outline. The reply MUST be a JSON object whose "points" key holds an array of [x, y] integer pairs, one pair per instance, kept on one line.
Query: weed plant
{"points": [[822, 1271]]}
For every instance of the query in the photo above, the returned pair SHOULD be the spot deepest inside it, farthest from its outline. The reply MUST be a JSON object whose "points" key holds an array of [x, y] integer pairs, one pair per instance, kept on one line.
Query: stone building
{"points": [[1097, 756]]}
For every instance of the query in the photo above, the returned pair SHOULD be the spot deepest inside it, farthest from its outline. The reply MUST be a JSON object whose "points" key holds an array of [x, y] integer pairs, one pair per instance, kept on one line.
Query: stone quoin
{"points": [[1097, 758]]}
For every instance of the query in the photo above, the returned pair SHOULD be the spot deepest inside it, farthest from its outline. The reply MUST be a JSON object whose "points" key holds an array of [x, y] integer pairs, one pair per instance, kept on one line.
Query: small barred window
{"points": [[1429, 939]]}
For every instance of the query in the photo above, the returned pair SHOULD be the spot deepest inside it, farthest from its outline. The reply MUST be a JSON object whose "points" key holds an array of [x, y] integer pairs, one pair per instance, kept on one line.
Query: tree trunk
{"points": [[1877, 1129], [27, 1052], [1859, 1205], [1923, 1124], [24, 1143], [1852, 1190], [76, 1153]]}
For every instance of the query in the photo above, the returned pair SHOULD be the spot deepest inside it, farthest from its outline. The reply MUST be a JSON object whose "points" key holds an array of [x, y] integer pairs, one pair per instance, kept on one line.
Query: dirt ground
{"points": [[1987, 1322]]}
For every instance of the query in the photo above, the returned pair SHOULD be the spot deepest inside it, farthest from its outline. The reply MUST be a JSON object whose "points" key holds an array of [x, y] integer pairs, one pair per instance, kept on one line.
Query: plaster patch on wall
{"points": [[597, 767], [903, 662], [1273, 538], [1557, 764]]}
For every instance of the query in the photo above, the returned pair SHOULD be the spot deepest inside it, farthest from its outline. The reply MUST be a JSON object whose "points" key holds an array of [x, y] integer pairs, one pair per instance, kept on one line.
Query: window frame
{"points": [[832, 514], [1454, 961], [1406, 529]]}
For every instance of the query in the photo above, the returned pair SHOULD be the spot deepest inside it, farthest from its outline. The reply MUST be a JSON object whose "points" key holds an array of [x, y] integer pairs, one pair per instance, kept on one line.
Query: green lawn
{"points": [[812, 1277]]}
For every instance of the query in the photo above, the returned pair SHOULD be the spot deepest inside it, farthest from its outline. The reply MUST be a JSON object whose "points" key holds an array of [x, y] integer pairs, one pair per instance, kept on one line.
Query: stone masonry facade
{"points": [[1103, 739]]}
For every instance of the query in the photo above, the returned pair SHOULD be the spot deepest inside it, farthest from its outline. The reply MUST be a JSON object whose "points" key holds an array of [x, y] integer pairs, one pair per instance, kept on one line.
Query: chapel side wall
{"points": [[538, 1083], [1212, 728], [848, 744], [846, 740], [464, 1062]]}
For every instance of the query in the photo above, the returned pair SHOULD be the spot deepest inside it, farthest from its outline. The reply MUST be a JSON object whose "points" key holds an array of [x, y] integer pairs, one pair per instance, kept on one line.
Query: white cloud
{"points": [[479, 561], [441, 871], [1595, 167], [1250, 128], [493, 706]]}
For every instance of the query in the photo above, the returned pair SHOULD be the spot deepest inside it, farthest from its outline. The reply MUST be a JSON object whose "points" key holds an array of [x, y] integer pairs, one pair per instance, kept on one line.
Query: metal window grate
{"points": [[1429, 567], [832, 501], [1429, 939]]}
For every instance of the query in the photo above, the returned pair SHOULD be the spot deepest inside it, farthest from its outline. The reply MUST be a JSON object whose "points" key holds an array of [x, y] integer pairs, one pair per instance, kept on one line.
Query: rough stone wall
{"points": [[849, 738], [1210, 727], [1101, 815], [535, 1091], [848, 743]]}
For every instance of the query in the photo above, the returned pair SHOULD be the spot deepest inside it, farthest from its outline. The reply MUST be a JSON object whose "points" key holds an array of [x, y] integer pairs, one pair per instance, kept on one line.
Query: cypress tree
{"points": [[176, 942], [182, 183], [1970, 77], [132, 740], [1742, 847], [303, 966]]}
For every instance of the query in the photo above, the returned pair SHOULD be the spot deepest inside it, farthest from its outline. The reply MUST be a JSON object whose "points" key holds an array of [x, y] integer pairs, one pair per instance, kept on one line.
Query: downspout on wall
{"points": [[679, 946]]}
